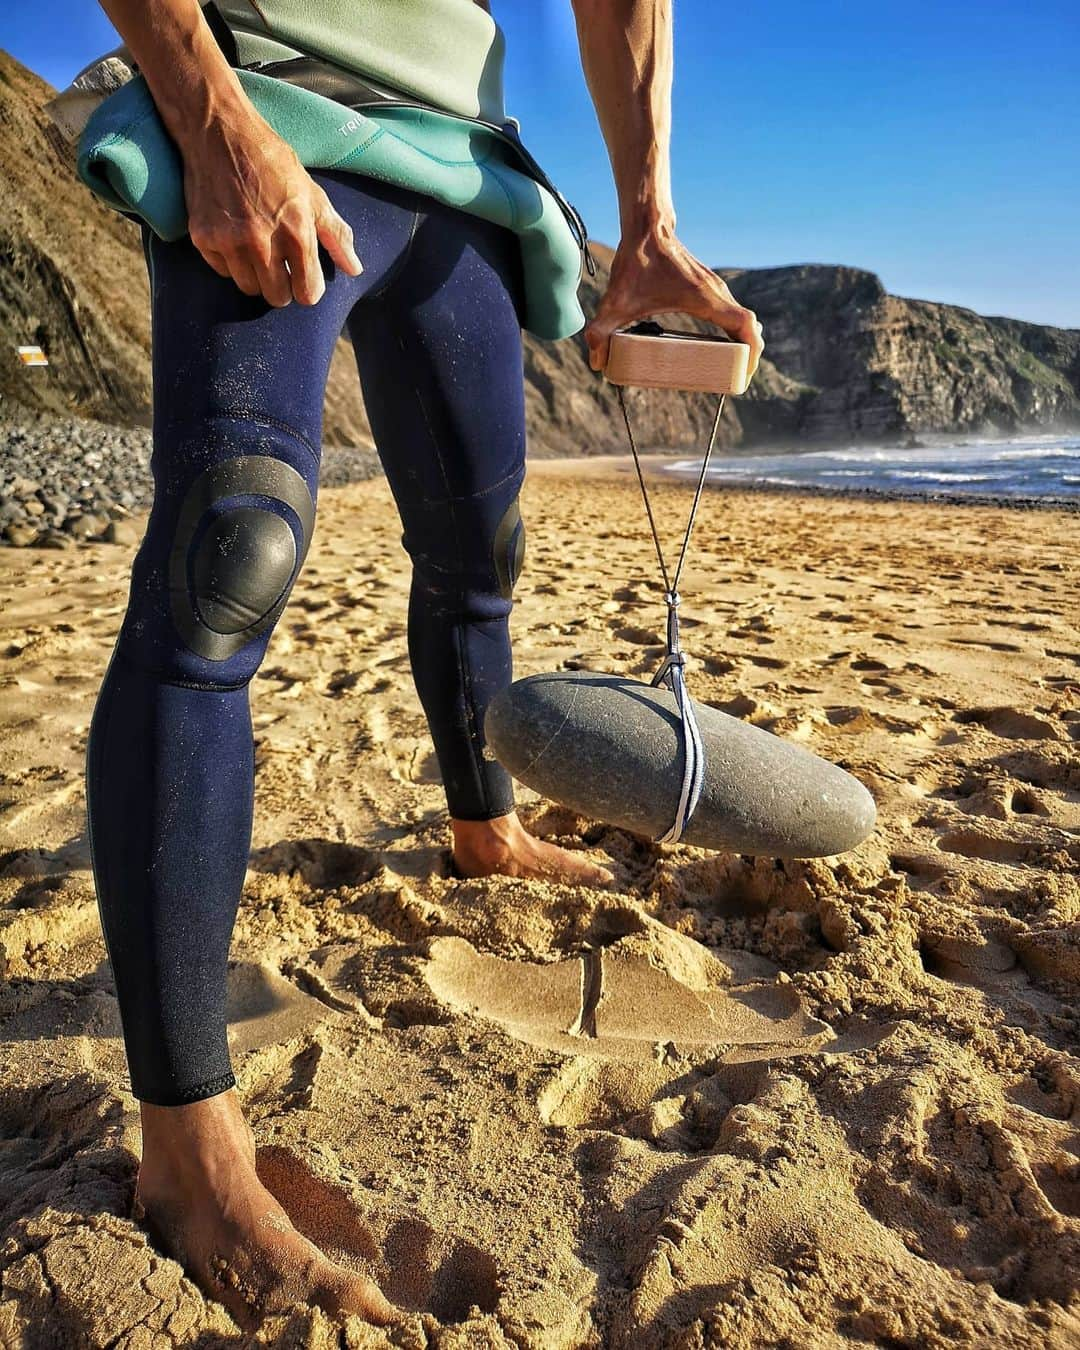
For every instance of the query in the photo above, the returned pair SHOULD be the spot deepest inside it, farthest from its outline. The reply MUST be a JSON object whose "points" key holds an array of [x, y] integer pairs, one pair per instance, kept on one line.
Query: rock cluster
{"points": [[67, 479]]}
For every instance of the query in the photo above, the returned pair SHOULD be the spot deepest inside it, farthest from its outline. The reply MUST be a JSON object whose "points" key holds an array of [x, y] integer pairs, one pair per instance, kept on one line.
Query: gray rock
{"points": [[20, 536], [86, 526], [610, 748], [121, 532], [57, 469]]}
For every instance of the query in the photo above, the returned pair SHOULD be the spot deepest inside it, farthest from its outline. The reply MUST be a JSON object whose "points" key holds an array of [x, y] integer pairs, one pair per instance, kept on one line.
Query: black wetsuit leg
{"points": [[440, 360], [238, 402]]}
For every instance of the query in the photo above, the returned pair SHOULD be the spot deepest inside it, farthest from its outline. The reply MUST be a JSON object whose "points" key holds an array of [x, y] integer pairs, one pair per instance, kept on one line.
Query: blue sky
{"points": [[936, 144]]}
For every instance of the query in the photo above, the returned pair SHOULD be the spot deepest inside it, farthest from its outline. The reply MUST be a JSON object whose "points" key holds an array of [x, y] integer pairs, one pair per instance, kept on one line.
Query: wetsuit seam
{"points": [[471, 162], [518, 472], [358, 149], [434, 441], [465, 668], [203, 686], [246, 416], [399, 265], [507, 193]]}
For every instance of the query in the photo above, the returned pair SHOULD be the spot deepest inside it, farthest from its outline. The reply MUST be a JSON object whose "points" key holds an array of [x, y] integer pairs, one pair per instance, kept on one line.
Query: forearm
{"points": [[627, 57], [194, 88]]}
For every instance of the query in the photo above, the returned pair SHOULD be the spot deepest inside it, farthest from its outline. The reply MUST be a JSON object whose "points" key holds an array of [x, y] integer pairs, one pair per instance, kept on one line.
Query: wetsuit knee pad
{"points": [[242, 534], [508, 548]]}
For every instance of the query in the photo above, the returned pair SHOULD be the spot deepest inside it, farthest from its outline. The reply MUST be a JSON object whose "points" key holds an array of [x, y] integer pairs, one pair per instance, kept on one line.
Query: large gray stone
{"points": [[610, 748]]}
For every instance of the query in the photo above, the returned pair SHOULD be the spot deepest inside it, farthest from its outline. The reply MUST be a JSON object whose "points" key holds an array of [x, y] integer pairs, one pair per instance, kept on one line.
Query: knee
{"points": [[508, 549], [241, 536], [237, 578], [468, 557], [215, 588]]}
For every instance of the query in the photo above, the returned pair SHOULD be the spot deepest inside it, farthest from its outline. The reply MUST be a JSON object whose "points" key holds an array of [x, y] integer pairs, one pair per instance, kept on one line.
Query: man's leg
{"points": [[439, 354], [238, 397]]}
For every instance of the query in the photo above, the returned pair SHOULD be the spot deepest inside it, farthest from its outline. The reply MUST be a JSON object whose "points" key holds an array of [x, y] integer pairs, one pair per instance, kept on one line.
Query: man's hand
{"points": [[253, 209], [657, 275], [254, 212]]}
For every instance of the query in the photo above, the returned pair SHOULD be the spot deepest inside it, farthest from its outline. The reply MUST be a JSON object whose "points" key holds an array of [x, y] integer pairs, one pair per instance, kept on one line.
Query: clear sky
{"points": [[935, 142]]}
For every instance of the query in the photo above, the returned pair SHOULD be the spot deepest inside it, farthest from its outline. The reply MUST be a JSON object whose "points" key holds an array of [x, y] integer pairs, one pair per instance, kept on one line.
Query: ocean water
{"points": [[1044, 467]]}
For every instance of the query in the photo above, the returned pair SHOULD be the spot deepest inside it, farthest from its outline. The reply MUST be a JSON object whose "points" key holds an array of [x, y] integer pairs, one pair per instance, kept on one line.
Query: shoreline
{"points": [[617, 465]]}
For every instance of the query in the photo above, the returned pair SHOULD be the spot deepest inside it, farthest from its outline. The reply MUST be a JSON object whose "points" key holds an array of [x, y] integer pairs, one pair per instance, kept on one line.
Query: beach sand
{"points": [[825, 1103]]}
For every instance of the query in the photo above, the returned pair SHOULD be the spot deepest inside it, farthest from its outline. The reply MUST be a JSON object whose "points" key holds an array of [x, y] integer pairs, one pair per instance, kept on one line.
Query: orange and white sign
{"points": [[32, 356]]}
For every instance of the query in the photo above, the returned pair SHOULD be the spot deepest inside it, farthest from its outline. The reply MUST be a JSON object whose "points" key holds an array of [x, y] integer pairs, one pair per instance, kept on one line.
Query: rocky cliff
{"points": [[846, 360], [871, 366]]}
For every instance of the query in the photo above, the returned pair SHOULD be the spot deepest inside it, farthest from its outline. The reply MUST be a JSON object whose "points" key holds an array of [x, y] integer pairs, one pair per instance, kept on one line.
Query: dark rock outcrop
{"points": [[874, 366]]}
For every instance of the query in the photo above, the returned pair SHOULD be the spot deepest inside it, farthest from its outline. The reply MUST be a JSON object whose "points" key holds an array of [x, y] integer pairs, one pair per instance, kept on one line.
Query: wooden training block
{"points": [[670, 358]]}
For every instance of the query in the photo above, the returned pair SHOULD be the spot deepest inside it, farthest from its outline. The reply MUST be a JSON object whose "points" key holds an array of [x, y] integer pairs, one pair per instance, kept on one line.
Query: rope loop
{"points": [[672, 669]]}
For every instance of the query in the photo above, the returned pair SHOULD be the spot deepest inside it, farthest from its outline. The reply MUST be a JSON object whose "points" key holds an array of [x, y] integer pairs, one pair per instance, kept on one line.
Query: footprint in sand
{"points": [[1049, 847], [977, 961], [264, 1008], [995, 796], [616, 1004], [1040, 1113], [323, 864], [1009, 723], [1051, 766], [637, 637]]}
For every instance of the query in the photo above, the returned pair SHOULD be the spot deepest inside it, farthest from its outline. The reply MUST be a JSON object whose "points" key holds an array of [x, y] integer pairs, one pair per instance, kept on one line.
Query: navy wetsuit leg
{"points": [[238, 399], [440, 360]]}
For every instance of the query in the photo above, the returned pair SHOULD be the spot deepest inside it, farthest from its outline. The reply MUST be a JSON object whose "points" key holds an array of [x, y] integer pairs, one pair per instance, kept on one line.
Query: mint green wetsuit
{"points": [[444, 132]]}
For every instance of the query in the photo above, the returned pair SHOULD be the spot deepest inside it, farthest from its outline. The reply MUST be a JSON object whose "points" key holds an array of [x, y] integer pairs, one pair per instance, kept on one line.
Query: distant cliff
{"points": [[870, 365], [845, 360]]}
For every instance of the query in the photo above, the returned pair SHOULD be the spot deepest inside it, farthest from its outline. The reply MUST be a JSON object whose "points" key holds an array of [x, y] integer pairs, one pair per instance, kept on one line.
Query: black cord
{"points": [[673, 667], [671, 586]]}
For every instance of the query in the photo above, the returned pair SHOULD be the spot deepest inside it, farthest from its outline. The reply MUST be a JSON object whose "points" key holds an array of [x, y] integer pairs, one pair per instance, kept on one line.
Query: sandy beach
{"points": [[824, 1103]]}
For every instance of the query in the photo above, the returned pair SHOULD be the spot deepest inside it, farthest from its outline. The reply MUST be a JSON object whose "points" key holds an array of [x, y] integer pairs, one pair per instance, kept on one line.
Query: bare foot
{"points": [[503, 845], [199, 1196]]}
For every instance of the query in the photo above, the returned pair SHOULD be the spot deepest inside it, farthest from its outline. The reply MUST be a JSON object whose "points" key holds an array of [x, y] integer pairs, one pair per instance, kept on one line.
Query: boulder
{"points": [[611, 748]]}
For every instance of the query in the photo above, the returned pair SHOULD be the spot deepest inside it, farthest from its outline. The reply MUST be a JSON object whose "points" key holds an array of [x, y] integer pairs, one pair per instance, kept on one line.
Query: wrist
{"points": [[196, 92], [647, 225], [211, 117]]}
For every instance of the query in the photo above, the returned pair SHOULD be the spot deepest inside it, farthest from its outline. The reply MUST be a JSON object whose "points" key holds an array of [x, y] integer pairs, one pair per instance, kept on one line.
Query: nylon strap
{"points": [[672, 669]]}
